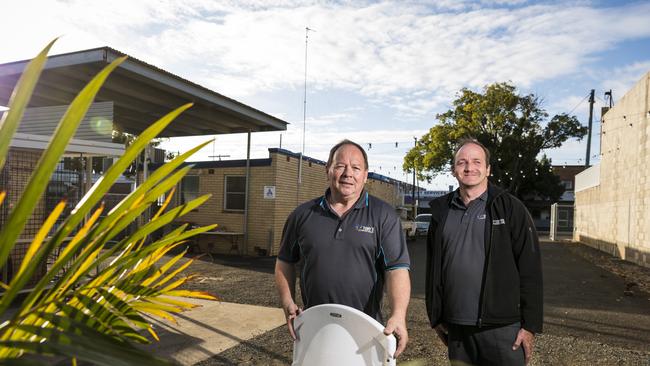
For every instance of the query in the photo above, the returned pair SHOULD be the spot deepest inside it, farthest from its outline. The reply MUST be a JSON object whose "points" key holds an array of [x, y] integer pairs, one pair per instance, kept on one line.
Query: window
{"points": [[563, 218], [423, 218], [235, 193], [189, 188], [568, 185]]}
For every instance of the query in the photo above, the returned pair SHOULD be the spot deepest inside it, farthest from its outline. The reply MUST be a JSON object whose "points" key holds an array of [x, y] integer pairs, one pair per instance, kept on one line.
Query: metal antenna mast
{"points": [[304, 117]]}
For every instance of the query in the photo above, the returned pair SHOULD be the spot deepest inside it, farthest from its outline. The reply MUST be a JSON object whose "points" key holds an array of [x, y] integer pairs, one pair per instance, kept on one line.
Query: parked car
{"points": [[408, 226], [422, 224]]}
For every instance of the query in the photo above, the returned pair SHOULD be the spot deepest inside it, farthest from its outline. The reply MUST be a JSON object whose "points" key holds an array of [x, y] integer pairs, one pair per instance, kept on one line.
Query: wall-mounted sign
{"points": [[269, 192]]}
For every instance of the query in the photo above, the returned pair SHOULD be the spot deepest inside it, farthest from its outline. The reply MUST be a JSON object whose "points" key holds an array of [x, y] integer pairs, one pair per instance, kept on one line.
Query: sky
{"points": [[377, 72]]}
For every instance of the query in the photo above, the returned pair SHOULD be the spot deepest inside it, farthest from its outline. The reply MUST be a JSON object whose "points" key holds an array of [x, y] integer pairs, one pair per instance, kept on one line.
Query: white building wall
{"points": [[613, 212]]}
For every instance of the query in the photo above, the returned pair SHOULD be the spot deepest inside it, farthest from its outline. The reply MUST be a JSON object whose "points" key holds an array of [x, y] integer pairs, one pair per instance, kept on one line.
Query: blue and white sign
{"points": [[269, 192]]}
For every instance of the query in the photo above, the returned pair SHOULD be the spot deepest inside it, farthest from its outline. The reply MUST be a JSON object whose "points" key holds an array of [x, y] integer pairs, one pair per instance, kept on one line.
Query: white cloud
{"points": [[577, 105], [377, 49], [410, 56], [622, 79]]}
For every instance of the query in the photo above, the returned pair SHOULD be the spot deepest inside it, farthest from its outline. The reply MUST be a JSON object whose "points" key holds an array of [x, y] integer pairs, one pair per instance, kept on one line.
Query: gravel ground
{"points": [[571, 336]]}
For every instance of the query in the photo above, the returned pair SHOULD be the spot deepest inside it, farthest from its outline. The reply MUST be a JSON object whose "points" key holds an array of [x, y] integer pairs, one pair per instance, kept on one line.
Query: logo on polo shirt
{"points": [[499, 222], [364, 229]]}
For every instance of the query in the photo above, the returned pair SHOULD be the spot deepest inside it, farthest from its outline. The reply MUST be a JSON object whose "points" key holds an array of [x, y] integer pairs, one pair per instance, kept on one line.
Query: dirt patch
{"points": [[637, 278]]}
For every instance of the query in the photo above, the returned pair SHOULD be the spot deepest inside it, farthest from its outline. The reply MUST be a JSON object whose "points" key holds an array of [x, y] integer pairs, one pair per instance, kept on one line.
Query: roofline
{"points": [[208, 164], [75, 146], [107, 54], [275, 150], [569, 166]]}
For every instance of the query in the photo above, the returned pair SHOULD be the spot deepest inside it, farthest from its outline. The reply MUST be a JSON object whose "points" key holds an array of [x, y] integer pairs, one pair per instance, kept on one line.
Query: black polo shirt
{"points": [[463, 249], [345, 258]]}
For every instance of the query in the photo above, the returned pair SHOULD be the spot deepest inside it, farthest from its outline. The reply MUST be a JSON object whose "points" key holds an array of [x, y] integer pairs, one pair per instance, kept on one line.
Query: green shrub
{"points": [[92, 313]]}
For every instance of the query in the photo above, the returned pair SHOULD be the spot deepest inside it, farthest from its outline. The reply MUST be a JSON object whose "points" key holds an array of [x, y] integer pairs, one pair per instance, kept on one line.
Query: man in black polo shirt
{"points": [[484, 274], [351, 243]]}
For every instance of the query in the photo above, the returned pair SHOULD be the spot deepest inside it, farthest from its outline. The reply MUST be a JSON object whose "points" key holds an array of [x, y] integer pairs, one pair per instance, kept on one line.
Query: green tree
{"points": [[515, 128], [91, 303]]}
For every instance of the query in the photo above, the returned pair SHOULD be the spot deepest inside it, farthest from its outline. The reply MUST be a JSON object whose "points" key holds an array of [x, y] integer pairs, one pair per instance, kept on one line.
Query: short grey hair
{"points": [[470, 140], [347, 142]]}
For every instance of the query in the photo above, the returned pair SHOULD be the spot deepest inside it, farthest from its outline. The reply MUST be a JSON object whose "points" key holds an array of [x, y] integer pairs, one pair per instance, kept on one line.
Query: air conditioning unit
{"points": [[155, 154]]}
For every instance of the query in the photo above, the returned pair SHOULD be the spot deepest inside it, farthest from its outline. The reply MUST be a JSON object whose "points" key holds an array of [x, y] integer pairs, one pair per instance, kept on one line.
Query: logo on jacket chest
{"points": [[364, 229]]}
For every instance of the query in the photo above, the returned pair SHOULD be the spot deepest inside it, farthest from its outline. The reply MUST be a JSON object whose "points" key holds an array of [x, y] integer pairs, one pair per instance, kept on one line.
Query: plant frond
{"points": [[193, 294], [40, 236], [91, 304], [72, 246], [154, 310], [173, 274], [46, 165], [164, 268]]}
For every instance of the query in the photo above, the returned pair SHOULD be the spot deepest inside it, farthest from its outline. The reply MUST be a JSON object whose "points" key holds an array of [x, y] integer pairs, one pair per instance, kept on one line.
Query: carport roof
{"points": [[141, 94]]}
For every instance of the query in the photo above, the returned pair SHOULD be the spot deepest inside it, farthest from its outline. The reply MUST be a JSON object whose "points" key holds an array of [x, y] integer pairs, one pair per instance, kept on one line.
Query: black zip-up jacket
{"points": [[512, 276]]}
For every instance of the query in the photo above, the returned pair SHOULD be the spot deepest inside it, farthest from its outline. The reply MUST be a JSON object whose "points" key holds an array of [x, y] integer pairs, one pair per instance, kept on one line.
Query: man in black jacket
{"points": [[484, 274]]}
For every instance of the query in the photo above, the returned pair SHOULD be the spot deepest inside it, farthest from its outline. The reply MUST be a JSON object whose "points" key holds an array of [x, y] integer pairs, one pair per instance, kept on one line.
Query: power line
{"points": [[601, 99], [580, 102]]}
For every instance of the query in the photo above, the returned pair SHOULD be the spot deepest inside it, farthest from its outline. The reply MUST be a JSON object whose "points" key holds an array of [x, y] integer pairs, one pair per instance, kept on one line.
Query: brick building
{"points": [[273, 194]]}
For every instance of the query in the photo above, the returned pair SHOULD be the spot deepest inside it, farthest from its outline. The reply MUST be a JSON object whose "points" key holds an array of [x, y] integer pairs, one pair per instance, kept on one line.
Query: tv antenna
{"points": [[304, 116], [219, 156]]}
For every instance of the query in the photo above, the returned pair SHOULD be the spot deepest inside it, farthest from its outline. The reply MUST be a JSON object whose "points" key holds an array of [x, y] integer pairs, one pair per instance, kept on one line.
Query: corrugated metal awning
{"points": [[141, 94], [75, 147]]}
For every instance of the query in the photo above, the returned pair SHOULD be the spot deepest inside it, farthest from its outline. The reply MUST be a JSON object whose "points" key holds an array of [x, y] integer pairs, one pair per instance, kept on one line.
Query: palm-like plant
{"points": [[92, 313]]}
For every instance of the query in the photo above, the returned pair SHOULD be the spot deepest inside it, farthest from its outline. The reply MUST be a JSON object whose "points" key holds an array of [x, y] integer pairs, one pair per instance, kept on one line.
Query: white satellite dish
{"points": [[332, 334]]}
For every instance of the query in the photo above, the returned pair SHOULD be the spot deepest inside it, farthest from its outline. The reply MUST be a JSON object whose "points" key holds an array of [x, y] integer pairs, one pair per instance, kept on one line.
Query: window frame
{"points": [[182, 191], [226, 193]]}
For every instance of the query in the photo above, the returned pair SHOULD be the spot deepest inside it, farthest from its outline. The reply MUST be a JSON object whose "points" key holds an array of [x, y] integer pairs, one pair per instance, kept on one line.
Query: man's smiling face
{"points": [[347, 173], [471, 167]]}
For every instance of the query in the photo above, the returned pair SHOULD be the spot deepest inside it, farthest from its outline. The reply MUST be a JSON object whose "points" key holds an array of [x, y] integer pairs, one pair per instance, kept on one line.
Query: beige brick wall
{"points": [[266, 216], [288, 197], [615, 216], [213, 210], [385, 190]]}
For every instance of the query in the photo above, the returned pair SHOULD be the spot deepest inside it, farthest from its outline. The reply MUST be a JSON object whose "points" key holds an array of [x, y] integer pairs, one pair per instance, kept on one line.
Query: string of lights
{"points": [[366, 145], [625, 116], [629, 122]]}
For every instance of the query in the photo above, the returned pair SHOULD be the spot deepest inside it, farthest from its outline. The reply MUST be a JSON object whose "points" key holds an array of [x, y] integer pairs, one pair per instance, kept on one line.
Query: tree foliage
{"points": [[515, 128], [91, 303]]}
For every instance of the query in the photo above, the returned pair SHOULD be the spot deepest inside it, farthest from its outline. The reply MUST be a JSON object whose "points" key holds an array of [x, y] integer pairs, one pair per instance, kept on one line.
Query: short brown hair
{"points": [[347, 142], [470, 140]]}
